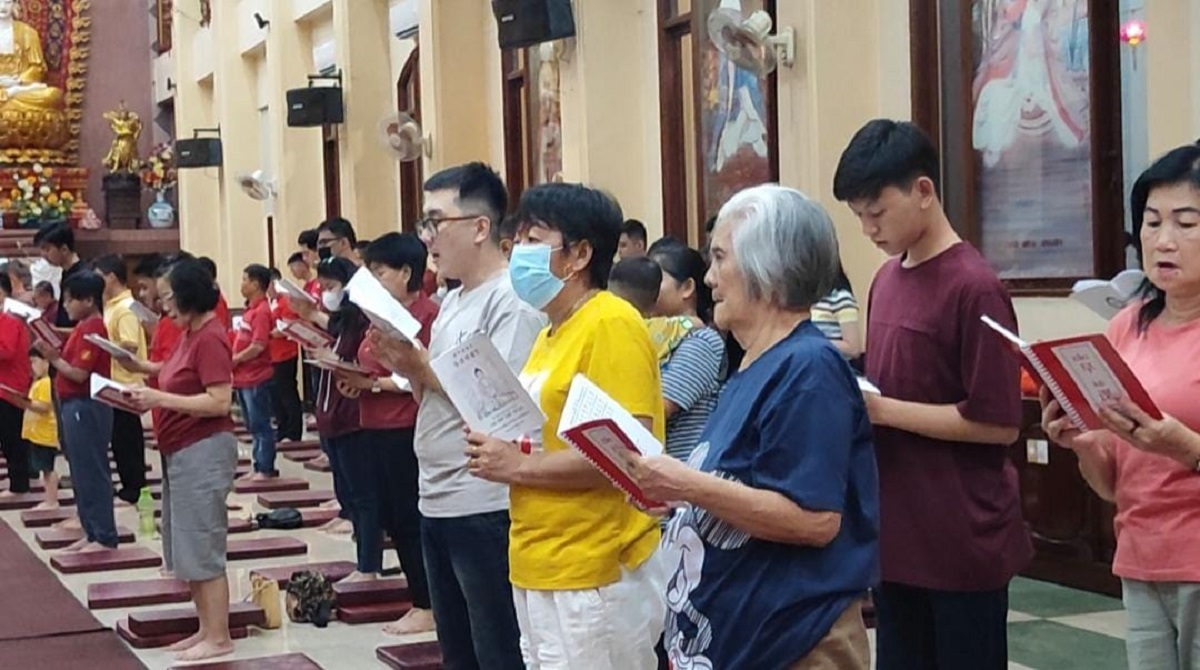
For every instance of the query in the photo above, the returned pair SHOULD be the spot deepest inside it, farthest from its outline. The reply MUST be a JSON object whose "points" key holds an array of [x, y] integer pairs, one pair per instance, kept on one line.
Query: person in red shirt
{"points": [[301, 265], [195, 437], [388, 413], [289, 413], [222, 309], [252, 370], [86, 423], [15, 377]]}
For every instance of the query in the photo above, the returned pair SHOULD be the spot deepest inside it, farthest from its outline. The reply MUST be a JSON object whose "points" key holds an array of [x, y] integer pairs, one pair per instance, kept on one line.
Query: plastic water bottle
{"points": [[145, 508]]}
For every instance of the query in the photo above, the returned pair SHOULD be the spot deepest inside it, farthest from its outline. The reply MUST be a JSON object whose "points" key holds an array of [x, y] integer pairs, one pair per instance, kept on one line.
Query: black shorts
{"points": [[41, 459]]}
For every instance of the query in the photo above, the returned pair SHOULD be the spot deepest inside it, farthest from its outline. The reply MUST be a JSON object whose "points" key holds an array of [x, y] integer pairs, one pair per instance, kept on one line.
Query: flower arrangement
{"points": [[158, 171], [34, 197]]}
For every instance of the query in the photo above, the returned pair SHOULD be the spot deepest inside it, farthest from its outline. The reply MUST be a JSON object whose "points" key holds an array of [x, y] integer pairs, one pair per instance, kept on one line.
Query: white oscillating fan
{"points": [[256, 185], [748, 42], [401, 135]]}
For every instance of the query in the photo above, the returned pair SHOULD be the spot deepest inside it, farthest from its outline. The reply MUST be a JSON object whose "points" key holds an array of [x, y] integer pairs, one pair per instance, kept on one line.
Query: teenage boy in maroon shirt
{"points": [[951, 535], [252, 369]]}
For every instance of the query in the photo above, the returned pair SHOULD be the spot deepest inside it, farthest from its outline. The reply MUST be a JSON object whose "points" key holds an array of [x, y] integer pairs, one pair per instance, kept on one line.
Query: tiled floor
{"points": [[1050, 627]]}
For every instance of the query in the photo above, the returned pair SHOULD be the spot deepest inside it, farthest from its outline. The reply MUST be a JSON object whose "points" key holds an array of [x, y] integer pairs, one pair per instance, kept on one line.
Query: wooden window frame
{"points": [[941, 89], [518, 125], [163, 20], [672, 28], [332, 171], [412, 173]]}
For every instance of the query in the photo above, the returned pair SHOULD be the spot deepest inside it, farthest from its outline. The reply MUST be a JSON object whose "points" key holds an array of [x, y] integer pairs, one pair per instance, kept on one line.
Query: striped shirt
{"points": [[691, 379], [833, 310]]}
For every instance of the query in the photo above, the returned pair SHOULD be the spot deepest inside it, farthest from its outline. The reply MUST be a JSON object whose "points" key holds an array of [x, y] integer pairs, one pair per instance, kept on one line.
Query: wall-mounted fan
{"points": [[402, 136], [748, 42], [256, 185]]}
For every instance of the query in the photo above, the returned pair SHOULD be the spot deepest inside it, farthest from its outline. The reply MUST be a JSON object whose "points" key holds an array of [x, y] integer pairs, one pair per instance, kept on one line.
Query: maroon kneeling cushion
{"points": [[105, 560], [371, 591], [184, 620], [277, 499], [419, 656], [264, 547], [41, 518], [334, 570], [281, 662], [135, 593], [156, 641], [55, 538], [30, 500], [374, 613], [273, 484]]}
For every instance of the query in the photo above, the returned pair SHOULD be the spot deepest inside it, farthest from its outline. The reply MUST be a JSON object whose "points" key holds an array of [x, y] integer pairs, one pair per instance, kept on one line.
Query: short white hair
{"points": [[784, 244]]}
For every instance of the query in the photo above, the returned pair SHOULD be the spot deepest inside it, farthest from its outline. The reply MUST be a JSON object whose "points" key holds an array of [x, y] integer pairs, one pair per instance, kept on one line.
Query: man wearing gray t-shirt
{"points": [[464, 526]]}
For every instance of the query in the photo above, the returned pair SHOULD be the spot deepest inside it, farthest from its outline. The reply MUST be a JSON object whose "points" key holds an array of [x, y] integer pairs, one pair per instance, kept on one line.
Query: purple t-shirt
{"points": [[950, 512]]}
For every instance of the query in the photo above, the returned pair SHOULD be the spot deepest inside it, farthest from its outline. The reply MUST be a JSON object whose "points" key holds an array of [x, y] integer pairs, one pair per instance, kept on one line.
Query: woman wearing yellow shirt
{"points": [[586, 581]]}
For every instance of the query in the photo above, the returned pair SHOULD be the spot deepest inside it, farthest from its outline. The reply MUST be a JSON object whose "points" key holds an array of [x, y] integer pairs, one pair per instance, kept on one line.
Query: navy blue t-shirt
{"points": [[794, 422]]}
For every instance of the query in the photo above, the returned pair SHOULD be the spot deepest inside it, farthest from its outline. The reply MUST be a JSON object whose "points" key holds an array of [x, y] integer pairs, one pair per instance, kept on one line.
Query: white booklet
{"points": [[1106, 298], [866, 386], [306, 334], [20, 309], [109, 347], [113, 394], [293, 292], [600, 429], [385, 312], [485, 391], [144, 313]]}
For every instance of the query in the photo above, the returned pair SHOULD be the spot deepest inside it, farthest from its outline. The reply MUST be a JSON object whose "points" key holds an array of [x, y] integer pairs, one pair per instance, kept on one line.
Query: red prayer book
{"points": [[304, 333], [113, 394], [45, 332], [600, 429], [1083, 373]]}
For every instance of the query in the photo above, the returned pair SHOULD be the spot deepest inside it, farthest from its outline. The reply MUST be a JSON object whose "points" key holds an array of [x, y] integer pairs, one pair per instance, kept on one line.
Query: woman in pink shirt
{"points": [[1151, 468]]}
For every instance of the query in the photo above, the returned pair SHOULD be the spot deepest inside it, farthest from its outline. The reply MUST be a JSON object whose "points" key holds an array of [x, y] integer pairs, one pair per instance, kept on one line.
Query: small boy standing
{"points": [[40, 429]]}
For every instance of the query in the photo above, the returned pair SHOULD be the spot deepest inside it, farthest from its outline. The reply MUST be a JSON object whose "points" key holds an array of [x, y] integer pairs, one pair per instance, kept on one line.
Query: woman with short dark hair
{"points": [[587, 583], [195, 437]]}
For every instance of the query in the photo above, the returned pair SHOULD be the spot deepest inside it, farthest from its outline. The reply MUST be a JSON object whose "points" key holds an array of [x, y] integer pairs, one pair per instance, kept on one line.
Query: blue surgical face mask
{"points": [[529, 269]]}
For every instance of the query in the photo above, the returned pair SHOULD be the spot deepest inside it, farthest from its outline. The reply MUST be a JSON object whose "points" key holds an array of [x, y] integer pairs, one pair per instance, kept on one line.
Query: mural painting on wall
{"points": [[733, 118], [545, 61], [1031, 133]]}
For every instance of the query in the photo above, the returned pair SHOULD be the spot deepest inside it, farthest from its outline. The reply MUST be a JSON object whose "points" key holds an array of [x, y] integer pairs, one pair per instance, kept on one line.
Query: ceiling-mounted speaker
{"points": [[199, 152], [315, 106], [523, 23]]}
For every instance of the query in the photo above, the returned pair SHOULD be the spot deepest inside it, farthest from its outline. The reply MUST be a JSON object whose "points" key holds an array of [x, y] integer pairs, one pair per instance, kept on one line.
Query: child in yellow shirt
{"points": [[40, 429], [638, 281]]}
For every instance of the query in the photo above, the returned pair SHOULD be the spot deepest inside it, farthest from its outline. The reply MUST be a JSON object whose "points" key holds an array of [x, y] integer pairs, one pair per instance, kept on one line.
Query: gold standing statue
{"points": [[30, 110], [127, 127]]}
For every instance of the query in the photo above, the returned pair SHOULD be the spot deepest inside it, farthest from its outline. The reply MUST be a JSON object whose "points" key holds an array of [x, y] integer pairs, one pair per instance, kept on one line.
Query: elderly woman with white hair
{"points": [[777, 538]]}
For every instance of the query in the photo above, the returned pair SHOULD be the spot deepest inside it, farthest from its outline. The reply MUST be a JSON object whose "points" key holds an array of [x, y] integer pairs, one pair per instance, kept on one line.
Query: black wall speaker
{"points": [[315, 106], [526, 22], [198, 152]]}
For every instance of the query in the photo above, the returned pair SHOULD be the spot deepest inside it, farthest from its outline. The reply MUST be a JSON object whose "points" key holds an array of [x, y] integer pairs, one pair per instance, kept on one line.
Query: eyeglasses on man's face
{"points": [[431, 226]]}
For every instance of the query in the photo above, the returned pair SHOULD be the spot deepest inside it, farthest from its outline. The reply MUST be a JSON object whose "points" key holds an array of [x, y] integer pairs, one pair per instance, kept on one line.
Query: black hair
{"points": [[638, 281], [146, 265], [508, 228], [710, 224], [85, 286], [170, 260], [682, 263], [885, 153], [275, 274], [259, 274], [475, 183], [400, 250], [339, 228], [6, 283], [843, 281], [192, 286], [112, 264], [1178, 166], [662, 242], [296, 257], [580, 214], [34, 352], [57, 234], [308, 239], [44, 287], [210, 265], [349, 318], [634, 230]]}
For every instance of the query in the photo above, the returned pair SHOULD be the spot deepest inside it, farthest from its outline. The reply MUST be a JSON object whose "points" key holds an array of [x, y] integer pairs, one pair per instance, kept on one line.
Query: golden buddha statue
{"points": [[32, 109]]}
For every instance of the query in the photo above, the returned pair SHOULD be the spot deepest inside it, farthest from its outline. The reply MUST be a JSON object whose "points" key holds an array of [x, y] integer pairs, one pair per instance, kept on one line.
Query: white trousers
{"points": [[614, 627]]}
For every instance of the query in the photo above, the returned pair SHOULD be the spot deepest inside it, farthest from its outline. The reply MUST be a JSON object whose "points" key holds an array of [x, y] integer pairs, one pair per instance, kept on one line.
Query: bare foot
{"points": [[357, 576], [166, 573], [47, 504], [340, 527], [188, 643], [92, 547], [320, 461], [7, 494], [416, 621], [261, 477], [76, 546], [205, 649], [331, 504], [69, 524]]}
